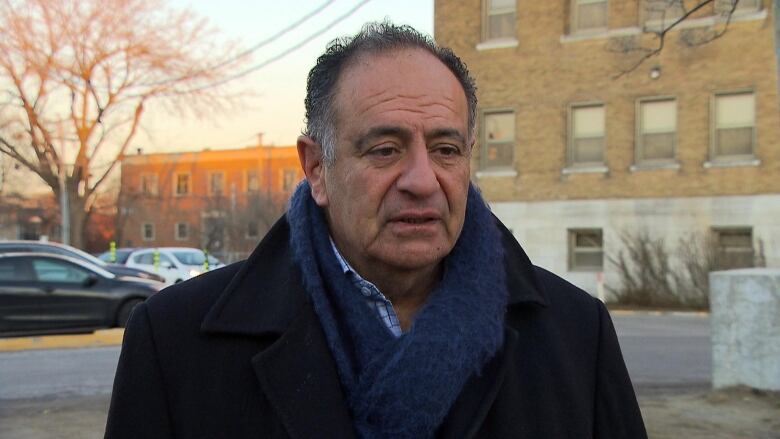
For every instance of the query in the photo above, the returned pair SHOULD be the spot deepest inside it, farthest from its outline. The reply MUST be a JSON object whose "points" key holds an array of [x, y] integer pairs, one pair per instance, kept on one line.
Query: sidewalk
{"points": [[113, 337], [99, 338]]}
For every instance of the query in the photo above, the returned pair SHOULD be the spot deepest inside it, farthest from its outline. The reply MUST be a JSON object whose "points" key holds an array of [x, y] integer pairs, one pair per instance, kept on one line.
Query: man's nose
{"points": [[418, 176]]}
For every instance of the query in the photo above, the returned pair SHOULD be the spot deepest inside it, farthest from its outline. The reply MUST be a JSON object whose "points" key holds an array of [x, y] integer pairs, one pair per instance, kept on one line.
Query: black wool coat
{"points": [[239, 353]]}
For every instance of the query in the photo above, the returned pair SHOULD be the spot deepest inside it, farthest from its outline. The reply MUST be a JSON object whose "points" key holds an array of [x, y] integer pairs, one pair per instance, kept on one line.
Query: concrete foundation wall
{"points": [[542, 227], [745, 318]]}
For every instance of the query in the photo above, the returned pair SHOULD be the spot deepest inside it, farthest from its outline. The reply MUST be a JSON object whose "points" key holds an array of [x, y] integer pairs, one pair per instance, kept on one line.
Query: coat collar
{"points": [[266, 294], [266, 297]]}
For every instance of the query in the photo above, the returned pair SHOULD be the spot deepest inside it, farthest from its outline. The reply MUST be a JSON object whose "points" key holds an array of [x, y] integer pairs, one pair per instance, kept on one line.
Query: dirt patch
{"points": [[669, 414], [737, 413]]}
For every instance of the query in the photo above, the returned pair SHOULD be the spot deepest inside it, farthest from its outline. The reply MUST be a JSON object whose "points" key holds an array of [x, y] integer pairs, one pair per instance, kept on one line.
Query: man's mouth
{"points": [[415, 220]]}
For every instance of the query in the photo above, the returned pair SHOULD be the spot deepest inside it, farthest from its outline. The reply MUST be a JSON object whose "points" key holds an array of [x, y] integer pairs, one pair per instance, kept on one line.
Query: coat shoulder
{"points": [[189, 301]]}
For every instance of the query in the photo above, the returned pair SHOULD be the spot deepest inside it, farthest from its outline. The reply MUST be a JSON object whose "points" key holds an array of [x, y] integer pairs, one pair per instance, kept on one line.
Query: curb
{"points": [[99, 338], [630, 312]]}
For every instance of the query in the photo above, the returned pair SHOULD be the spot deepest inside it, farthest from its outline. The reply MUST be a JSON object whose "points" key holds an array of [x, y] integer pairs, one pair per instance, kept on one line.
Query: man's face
{"points": [[395, 198]]}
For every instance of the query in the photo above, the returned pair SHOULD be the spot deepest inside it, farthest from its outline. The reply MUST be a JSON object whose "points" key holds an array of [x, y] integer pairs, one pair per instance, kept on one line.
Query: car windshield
{"points": [[121, 256], [194, 258]]}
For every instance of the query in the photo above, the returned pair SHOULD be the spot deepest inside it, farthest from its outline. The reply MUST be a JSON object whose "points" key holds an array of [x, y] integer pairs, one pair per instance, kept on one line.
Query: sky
{"points": [[274, 105]]}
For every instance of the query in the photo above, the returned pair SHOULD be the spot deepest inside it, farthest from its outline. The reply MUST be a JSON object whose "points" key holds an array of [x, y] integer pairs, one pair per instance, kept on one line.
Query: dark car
{"points": [[42, 292], [73, 252]]}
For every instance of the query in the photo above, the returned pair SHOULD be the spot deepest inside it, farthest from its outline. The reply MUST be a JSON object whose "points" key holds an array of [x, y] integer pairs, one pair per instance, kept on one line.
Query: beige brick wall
{"points": [[546, 72]]}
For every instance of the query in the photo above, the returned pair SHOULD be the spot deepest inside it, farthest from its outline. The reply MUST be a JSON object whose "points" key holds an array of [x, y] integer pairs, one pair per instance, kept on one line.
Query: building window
{"points": [[217, 183], [734, 130], [588, 15], [182, 184], [498, 151], [657, 128], [499, 21], [586, 144], [147, 231], [586, 250], [182, 231], [726, 6], [149, 184], [289, 178], [660, 14], [733, 248], [252, 181], [252, 229]]}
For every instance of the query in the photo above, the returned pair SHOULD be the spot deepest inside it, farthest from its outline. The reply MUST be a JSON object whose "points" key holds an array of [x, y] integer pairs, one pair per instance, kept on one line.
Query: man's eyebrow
{"points": [[380, 131], [447, 133]]}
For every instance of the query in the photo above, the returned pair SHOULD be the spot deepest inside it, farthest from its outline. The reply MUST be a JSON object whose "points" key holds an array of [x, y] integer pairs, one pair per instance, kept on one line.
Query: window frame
{"points": [[570, 163], [178, 236], [574, 15], [484, 141], [176, 176], [248, 188], [153, 177], [573, 249], [486, 14], [639, 132], [718, 231], [143, 231], [656, 24], [713, 156], [720, 9], [210, 188]]}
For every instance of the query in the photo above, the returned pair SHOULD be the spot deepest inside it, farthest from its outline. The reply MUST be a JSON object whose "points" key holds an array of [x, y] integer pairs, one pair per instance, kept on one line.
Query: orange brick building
{"points": [[220, 200]]}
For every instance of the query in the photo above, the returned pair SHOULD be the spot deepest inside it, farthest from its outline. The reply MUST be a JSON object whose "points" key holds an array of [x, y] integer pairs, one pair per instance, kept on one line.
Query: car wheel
{"points": [[125, 310]]}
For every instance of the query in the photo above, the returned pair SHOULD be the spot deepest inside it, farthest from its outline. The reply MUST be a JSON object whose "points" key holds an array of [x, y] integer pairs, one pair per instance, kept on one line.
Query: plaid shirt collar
{"points": [[374, 298]]}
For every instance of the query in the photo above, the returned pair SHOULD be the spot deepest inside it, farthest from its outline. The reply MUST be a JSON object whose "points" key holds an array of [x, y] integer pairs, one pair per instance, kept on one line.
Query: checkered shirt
{"points": [[374, 298]]}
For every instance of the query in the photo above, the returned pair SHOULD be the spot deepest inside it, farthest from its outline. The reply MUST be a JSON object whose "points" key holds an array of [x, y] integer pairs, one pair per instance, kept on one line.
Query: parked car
{"points": [[66, 250], [43, 292], [121, 255], [175, 264]]}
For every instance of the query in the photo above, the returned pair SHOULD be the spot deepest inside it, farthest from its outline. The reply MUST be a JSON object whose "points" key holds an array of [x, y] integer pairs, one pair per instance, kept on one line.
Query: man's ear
{"points": [[310, 156]]}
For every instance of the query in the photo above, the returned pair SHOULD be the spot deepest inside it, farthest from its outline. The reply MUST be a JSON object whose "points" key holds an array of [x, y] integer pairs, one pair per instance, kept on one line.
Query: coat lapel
{"points": [[299, 377], [296, 372], [475, 400]]}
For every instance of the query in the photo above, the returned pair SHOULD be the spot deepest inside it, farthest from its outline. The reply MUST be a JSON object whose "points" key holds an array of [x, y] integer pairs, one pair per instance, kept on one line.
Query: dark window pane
{"points": [[734, 141], [588, 150], [657, 146], [499, 155], [501, 25], [592, 16]]}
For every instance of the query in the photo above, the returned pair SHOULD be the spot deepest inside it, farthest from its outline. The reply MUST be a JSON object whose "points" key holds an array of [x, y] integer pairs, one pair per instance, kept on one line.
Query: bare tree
{"points": [[669, 15], [77, 76]]}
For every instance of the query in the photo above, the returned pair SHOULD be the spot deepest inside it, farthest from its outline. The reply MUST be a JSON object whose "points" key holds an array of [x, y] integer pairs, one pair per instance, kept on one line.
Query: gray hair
{"points": [[373, 38]]}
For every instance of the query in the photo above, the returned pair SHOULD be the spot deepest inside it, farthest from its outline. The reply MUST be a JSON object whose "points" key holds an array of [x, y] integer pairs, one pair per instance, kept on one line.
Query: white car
{"points": [[175, 264]]}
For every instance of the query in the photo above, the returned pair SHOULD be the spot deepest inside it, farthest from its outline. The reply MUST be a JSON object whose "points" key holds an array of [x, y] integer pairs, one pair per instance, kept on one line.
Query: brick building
{"points": [[577, 147], [221, 200]]}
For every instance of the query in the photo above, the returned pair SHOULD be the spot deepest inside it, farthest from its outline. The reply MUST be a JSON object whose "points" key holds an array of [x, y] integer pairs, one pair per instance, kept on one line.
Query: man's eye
{"points": [[383, 151], [447, 150]]}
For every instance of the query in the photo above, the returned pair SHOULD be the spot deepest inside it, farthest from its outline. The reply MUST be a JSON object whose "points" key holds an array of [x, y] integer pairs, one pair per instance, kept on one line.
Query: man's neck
{"points": [[407, 290]]}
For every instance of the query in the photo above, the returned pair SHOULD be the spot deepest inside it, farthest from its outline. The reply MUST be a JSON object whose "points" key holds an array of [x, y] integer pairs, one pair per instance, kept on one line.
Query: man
{"points": [[388, 302]]}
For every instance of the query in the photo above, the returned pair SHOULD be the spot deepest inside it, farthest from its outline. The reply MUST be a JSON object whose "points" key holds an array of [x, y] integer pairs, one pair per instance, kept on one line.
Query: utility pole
{"points": [[64, 199]]}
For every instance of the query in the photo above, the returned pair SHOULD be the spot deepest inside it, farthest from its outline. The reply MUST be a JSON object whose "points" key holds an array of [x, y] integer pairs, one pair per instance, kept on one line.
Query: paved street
{"points": [[64, 393], [57, 372], [666, 351]]}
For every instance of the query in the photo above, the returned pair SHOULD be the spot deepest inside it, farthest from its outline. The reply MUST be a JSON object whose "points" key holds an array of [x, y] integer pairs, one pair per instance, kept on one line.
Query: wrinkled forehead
{"points": [[373, 77]]}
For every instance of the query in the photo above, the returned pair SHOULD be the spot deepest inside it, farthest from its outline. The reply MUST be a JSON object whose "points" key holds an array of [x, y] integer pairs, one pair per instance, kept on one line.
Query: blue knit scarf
{"points": [[404, 387]]}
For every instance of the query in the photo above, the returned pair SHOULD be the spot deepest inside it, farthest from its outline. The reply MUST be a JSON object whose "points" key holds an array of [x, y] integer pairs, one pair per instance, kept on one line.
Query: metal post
{"points": [[64, 199]]}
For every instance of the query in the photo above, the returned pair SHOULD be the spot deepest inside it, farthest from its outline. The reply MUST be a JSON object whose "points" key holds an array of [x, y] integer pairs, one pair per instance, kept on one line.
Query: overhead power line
{"points": [[280, 55], [275, 36], [254, 48]]}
